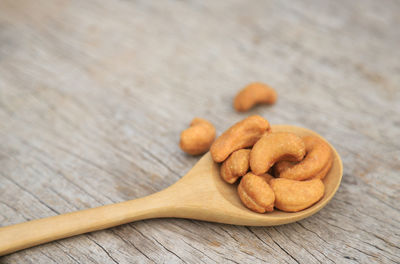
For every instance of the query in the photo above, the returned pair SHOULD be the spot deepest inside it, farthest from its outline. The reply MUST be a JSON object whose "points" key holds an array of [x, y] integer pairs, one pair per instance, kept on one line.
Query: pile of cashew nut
{"points": [[275, 169]]}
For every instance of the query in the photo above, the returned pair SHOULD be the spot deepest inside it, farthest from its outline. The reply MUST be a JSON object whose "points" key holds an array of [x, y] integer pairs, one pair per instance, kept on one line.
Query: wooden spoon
{"points": [[201, 194]]}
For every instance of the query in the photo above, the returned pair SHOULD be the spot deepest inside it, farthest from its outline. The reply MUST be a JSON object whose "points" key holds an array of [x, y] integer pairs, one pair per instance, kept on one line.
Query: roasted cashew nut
{"points": [[235, 166], [241, 135], [256, 194], [294, 196], [274, 147], [252, 94], [320, 175], [198, 138], [318, 157]]}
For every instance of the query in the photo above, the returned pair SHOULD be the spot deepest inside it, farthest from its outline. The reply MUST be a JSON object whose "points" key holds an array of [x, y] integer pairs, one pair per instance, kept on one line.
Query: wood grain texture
{"points": [[94, 94]]}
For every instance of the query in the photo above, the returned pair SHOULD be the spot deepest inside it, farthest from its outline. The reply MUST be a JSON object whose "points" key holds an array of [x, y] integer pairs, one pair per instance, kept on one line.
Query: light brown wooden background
{"points": [[94, 94]]}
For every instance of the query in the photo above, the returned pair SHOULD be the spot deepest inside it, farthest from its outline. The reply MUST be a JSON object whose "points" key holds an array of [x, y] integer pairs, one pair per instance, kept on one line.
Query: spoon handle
{"points": [[32, 233]]}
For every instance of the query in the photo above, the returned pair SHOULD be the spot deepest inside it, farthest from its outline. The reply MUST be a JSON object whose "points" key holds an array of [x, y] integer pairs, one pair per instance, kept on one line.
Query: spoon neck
{"points": [[156, 205]]}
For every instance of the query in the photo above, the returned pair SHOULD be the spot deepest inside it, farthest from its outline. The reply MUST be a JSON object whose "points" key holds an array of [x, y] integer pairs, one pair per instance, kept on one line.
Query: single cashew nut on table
{"points": [[198, 138], [256, 194], [294, 196], [241, 135], [252, 94], [235, 166], [274, 147], [318, 158]]}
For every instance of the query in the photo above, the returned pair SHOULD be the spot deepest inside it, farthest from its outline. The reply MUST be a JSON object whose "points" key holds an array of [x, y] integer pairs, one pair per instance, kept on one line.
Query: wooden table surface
{"points": [[94, 95]]}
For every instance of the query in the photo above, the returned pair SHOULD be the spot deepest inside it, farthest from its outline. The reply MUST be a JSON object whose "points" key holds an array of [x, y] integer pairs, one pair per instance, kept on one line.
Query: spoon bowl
{"points": [[201, 194], [215, 200]]}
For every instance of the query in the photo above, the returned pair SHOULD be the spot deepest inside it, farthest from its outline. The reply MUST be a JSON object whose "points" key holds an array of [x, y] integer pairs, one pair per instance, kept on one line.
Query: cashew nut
{"points": [[318, 156], [325, 170], [267, 177], [236, 165], [198, 138], [241, 135], [256, 194], [274, 147], [294, 196], [252, 94]]}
